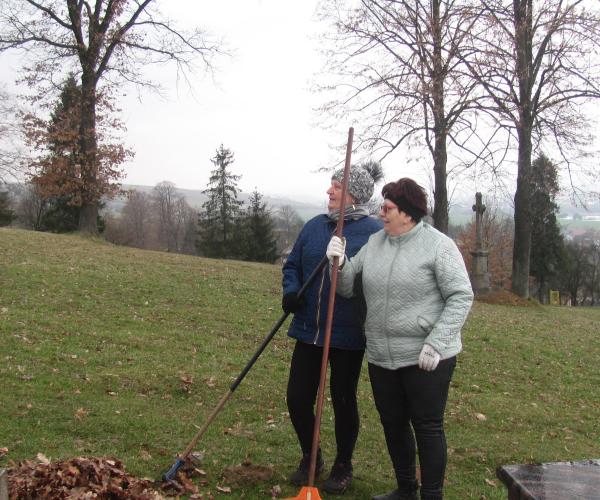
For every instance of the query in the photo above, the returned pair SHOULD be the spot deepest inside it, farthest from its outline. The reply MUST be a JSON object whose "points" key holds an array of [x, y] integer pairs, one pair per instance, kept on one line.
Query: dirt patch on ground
{"points": [[505, 298], [247, 473]]}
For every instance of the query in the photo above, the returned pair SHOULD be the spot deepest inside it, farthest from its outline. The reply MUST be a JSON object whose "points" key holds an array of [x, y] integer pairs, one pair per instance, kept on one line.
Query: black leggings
{"points": [[303, 386], [411, 396]]}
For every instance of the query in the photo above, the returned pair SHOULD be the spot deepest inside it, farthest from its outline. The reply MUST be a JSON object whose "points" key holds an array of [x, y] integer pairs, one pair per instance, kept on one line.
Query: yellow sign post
{"points": [[554, 298]]}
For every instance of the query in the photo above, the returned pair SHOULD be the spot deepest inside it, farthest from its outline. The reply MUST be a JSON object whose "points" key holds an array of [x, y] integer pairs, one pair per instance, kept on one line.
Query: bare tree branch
{"points": [[108, 42]]}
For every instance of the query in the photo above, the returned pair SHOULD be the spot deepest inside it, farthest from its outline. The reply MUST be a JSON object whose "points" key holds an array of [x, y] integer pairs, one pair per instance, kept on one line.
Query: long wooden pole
{"points": [[329, 321]]}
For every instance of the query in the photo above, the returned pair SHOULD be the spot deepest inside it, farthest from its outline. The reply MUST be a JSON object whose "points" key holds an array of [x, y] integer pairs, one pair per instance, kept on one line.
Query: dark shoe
{"points": [[339, 479], [300, 477], [397, 495]]}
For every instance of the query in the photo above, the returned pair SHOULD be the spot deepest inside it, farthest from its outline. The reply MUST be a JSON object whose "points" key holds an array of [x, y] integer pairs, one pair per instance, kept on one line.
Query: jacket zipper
{"points": [[387, 303], [320, 295]]}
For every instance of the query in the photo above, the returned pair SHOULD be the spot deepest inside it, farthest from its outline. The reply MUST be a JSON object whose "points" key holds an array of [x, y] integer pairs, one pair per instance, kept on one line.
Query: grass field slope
{"points": [[113, 351]]}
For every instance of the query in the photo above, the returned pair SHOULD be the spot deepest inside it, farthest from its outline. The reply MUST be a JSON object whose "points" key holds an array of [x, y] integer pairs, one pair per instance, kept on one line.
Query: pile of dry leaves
{"points": [[86, 478], [78, 479]]}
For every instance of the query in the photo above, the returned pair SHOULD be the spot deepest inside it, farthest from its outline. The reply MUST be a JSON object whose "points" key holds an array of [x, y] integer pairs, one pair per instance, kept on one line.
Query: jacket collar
{"points": [[410, 235]]}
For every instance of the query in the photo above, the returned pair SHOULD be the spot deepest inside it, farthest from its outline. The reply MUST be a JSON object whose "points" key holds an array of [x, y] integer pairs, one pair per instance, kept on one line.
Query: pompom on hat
{"points": [[361, 181]]}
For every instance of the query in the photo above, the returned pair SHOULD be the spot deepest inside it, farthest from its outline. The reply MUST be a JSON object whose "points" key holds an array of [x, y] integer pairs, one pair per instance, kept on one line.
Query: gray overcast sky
{"points": [[258, 105]]}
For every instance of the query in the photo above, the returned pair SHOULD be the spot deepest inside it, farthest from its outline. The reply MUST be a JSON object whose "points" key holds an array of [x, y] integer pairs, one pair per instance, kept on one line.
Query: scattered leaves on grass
{"points": [[81, 413], [275, 491], [186, 383], [3, 452], [238, 430], [489, 482], [77, 479], [481, 417], [505, 297]]}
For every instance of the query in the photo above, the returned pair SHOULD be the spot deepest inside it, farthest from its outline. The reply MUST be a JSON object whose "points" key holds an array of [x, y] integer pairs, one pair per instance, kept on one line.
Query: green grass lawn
{"points": [[98, 345]]}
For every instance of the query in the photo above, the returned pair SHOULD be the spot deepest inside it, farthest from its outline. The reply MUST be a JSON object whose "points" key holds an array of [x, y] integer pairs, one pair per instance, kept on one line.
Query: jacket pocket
{"points": [[425, 325]]}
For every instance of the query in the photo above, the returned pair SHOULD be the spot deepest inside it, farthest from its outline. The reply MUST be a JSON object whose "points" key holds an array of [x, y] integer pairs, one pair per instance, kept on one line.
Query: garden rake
{"points": [[172, 472]]}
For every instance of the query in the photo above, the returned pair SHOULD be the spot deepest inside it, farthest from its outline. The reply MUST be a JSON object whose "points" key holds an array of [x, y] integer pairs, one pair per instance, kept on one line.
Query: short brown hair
{"points": [[408, 196]]}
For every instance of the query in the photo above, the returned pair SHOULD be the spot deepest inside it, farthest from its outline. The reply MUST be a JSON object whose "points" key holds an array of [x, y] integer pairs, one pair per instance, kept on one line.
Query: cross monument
{"points": [[480, 277]]}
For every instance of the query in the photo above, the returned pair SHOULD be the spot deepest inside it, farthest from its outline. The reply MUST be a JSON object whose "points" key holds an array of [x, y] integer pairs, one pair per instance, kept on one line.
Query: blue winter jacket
{"points": [[308, 324]]}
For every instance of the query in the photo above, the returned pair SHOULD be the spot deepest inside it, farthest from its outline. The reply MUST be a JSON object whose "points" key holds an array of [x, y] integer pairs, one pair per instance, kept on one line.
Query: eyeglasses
{"points": [[386, 208]]}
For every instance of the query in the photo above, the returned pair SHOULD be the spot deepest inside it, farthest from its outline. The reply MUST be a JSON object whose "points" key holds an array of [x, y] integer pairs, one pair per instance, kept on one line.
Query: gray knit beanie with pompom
{"points": [[362, 180]]}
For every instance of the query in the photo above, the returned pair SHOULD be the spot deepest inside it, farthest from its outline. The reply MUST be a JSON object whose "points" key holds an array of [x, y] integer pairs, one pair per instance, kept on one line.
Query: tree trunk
{"points": [[440, 194], [522, 241], [440, 154], [88, 217], [522, 217]]}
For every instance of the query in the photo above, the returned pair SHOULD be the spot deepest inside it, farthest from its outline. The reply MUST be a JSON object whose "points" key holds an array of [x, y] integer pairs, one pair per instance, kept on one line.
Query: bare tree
{"points": [[31, 207], [534, 60], [287, 226], [398, 62], [175, 218], [184, 227], [164, 196], [11, 151], [105, 41], [135, 216]]}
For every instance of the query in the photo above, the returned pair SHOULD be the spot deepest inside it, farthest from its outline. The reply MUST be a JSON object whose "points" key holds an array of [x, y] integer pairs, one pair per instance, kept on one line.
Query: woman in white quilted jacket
{"points": [[418, 296]]}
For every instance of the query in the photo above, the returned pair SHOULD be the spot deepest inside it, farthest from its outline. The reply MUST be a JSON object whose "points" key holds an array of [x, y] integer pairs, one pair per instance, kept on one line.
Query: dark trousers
{"points": [[303, 386], [413, 399]]}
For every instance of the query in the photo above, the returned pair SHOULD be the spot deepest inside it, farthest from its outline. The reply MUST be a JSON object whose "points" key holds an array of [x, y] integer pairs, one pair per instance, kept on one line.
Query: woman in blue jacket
{"points": [[308, 326]]}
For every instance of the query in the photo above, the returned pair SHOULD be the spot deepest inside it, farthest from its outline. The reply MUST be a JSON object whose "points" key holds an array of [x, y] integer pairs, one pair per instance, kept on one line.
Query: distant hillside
{"points": [[196, 198], [569, 214]]}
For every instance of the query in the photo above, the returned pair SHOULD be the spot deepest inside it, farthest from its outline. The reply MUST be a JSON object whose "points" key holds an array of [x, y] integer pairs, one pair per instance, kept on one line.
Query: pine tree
{"points": [[259, 244], [547, 244], [219, 214]]}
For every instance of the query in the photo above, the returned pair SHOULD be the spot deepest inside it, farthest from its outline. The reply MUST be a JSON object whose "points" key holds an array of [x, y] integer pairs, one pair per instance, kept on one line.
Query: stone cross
{"points": [[478, 208]]}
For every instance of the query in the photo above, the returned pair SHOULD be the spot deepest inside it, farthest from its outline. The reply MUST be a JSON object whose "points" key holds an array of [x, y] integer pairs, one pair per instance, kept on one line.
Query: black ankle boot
{"points": [[339, 479], [405, 491], [300, 476]]}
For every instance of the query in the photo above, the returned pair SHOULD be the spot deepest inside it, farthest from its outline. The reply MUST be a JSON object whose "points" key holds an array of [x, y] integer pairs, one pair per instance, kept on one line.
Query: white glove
{"points": [[336, 248], [429, 358]]}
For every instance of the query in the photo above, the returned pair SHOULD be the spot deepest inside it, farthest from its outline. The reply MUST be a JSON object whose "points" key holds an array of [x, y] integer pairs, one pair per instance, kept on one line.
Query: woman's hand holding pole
{"points": [[336, 248]]}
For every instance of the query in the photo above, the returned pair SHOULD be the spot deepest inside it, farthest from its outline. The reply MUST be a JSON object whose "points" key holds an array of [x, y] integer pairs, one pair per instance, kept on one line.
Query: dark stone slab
{"points": [[3, 484], [552, 481]]}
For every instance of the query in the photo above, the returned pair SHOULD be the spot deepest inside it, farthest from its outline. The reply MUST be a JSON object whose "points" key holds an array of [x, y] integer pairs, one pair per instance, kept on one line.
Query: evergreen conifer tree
{"points": [[259, 244], [547, 244], [219, 214]]}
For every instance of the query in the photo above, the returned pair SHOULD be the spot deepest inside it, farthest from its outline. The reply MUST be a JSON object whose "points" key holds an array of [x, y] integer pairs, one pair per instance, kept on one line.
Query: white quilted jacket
{"points": [[417, 291]]}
